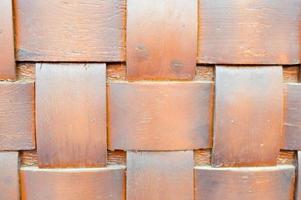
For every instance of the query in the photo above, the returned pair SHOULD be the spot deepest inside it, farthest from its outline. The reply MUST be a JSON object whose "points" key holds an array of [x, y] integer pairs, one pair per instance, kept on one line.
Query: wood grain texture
{"points": [[9, 176], [298, 179], [71, 115], [292, 117], [160, 175], [17, 119], [7, 54], [161, 39], [70, 30], [248, 183], [248, 116], [160, 115], [73, 184], [249, 32]]}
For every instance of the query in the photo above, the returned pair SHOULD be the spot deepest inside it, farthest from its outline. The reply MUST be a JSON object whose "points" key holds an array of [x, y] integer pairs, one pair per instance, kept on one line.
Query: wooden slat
{"points": [[71, 184], [160, 175], [71, 115], [249, 32], [160, 115], [248, 116], [247, 183], [161, 39], [7, 57], [298, 179], [17, 130], [9, 176], [70, 30], [292, 117]]}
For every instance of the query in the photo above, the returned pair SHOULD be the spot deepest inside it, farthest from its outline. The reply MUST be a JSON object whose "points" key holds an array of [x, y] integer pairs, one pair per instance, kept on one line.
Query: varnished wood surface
{"points": [[70, 30], [160, 115], [247, 183], [71, 115], [160, 175], [7, 55], [248, 116], [17, 119], [9, 177], [73, 184], [249, 32], [161, 39]]}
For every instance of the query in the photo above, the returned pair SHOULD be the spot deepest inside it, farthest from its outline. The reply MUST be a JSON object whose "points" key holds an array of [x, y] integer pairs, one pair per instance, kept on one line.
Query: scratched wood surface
{"points": [[71, 115]]}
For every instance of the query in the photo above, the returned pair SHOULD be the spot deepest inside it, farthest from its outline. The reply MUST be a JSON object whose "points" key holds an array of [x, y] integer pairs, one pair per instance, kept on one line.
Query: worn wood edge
{"points": [[247, 169], [73, 170]]}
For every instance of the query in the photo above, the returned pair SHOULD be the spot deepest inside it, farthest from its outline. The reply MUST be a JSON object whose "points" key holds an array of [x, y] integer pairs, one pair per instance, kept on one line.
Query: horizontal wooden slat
{"points": [[248, 183], [249, 32], [71, 115], [70, 30], [160, 115], [160, 175], [70, 184], [161, 39], [248, 116], [7, 55], [17, 130]]}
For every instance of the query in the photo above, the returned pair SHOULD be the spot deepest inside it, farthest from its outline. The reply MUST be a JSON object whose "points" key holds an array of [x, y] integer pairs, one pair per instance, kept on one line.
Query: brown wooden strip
{"points": [[7, 55], [77, 30], [160, 175], [248, 116], [292, 117], [161, 39], [9, 176], [70, 184], [71, 115], [160, 115], [247, 183], [249, 32], [298, 179], [17, 116]]}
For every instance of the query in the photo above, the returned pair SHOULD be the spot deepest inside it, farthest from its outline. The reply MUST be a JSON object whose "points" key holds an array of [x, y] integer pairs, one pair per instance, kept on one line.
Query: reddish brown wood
{"points": [[70, 184], [292, 117], [160, 175], [248, 116], [247, 183], [9, 177], [71, 115], [77, 30], [298, 184], [161, 39], [17, 130], [7, 55], [160, 115], [249, 32]]}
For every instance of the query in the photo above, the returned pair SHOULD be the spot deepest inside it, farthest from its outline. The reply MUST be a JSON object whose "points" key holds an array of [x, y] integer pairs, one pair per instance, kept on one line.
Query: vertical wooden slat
{"points": [[71, 115]]}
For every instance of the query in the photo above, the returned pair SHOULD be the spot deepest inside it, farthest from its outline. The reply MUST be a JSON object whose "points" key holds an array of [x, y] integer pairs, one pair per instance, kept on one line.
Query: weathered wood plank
{"points": [[70, 30], [17, 119], [161, 39], [248, 116], [160, 175], [71, 115], [249, 32], [156, 116], [248, 183], [70, 184]]}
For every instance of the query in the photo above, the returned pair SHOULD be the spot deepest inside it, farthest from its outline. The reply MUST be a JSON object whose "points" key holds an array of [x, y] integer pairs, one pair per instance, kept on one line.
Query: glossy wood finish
{"points": [[9, 177], [292, 117], [249, 32], [71, 184], [160, 115], [17, 119], [161, 39], [248, 116], [70, 30], [248, 183], [7, 55], [71, 115], [160, 175]]}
